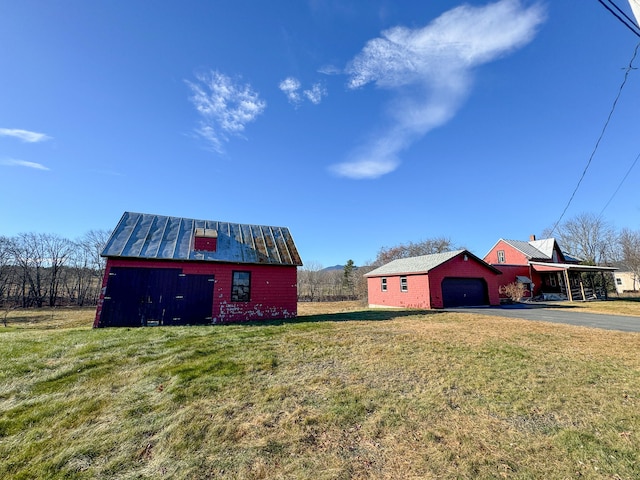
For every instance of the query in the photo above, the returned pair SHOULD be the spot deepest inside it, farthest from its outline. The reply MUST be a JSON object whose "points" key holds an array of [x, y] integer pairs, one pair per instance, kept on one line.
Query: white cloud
{"points": [[24, 135], [225, 107], [291, 87], [315, 94], [10, 162], [430, 71], [329, 70]]}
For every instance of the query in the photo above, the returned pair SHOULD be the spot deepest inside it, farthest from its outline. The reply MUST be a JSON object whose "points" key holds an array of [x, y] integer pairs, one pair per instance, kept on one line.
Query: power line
{"points": [[631, 25], [604, 128], [620, 184]]}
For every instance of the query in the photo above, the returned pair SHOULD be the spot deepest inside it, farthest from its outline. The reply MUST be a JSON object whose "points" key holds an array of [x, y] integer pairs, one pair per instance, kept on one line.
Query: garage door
{"points": [[464, 292]]}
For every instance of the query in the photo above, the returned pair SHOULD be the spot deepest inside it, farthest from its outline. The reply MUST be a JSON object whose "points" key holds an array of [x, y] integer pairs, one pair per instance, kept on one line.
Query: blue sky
{"points": [[357, 125]]}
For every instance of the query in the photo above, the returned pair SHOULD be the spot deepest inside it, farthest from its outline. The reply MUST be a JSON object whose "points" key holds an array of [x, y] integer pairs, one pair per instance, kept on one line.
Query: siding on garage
{"points": [[424, 279], [416, 296], [457, 267]]}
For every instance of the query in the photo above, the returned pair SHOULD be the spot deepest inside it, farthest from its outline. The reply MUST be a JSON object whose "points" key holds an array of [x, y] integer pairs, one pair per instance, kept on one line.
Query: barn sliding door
{"points": [[156, 296], [193, 300], [138, 296]]}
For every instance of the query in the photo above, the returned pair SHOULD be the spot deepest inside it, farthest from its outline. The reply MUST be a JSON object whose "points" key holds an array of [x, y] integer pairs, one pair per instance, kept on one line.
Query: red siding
{"points": [[274, 291], [425, 291], [416, 296], [458, 267], [510, 272], [516, 264], [512, 256], [207, 244]]}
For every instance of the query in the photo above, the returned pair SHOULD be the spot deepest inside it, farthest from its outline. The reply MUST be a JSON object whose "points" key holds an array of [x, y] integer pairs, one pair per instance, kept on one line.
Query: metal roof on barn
{"points": [[157, 237]]}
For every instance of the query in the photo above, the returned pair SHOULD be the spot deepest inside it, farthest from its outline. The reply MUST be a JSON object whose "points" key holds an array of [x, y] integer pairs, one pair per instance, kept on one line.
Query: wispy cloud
{"points": [[10, 162], [225, 107], [24, 135], [292, 88], [330, 70], [430, 71]]}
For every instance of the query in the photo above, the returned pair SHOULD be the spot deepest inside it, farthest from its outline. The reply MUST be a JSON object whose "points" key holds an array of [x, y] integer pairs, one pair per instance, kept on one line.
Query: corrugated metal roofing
{"points": [[545, 245], [529, 250], [421, 264], [141, 235]]}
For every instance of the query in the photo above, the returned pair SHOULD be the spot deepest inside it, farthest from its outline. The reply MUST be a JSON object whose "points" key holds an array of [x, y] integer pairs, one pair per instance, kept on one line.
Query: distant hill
{"points": [[337, 267]]}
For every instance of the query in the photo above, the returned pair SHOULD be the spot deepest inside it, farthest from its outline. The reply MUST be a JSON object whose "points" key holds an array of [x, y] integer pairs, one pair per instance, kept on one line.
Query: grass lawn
{"points": [[614, 306], [342, 392]]}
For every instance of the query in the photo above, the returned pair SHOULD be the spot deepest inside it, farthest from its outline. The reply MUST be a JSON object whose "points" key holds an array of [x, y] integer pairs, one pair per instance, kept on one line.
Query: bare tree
{"points": [[57, 251], [309, 281], [6, 278], [87, 267], [589, 237], [424, 247], [629, 243], [27, 251]]}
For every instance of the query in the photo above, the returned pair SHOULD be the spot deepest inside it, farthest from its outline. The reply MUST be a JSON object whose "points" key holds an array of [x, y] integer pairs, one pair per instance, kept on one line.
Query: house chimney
{"points": [[532, 238]]}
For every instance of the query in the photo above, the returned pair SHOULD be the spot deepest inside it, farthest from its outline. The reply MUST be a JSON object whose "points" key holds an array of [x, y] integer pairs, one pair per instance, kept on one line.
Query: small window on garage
{"points": [[618, 281], [500, 256], [241, 287], [383, 284], [403, 284]]}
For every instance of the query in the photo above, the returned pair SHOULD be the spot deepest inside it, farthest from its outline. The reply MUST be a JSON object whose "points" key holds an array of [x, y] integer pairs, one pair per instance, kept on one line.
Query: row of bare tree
{"points": [[39, 269]]}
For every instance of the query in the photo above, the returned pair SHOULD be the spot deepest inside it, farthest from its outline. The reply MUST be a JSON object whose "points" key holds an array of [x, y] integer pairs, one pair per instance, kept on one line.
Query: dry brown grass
{"points": [[613, 306], [341, 393], [51, 318]]}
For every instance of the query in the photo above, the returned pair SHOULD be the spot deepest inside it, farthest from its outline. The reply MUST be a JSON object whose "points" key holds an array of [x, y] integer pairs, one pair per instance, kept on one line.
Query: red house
{"points": [[450, 279], [544, 269], [179, 271]]}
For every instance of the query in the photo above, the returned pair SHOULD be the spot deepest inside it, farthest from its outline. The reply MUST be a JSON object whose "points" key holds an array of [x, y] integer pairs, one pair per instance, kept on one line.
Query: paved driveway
{"points": [[557, 314]]}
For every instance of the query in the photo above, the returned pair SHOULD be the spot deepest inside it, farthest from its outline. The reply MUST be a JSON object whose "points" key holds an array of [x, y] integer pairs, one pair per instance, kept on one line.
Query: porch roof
{"points": [[560, 267]]}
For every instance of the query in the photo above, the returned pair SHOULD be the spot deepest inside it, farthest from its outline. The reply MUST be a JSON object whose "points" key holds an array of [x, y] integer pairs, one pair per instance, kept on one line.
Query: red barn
{"points": [[179, 271], [544, 269], [450, 279]]}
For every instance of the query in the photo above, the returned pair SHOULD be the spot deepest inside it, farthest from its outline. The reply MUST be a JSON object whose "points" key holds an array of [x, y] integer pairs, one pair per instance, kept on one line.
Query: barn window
{"points": [[206, 240], [383, 284], [500, 256], [403, 284], [241, 287]]}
